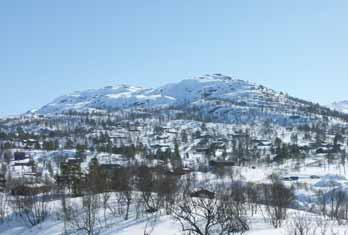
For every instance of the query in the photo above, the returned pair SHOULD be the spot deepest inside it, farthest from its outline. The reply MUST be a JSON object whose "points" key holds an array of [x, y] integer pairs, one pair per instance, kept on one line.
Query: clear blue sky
{"points": [[49, 48]]}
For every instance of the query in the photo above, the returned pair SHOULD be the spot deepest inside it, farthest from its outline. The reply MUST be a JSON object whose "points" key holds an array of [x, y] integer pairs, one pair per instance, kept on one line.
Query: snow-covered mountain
{"points": [[341, 106], [211, 97], [185, 92]]}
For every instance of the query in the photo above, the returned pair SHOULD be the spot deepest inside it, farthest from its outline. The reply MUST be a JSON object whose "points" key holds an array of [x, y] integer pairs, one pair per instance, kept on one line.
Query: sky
{"points": [[50, 48]]}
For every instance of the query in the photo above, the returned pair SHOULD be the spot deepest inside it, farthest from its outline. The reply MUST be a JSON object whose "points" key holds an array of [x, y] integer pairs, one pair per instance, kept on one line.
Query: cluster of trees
{"points": [[138, 192], [333, 204], [284, 151]]}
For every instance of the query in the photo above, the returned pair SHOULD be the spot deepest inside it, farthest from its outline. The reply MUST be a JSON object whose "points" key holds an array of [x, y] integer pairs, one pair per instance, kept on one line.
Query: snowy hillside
{"points": [[110, 97], [211, 97], [185, 92], [341, 106]]}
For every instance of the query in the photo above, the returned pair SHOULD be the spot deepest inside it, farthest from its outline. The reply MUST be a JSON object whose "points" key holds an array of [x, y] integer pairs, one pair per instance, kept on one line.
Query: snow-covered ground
{"points": [[327, 177], [166, 225]]}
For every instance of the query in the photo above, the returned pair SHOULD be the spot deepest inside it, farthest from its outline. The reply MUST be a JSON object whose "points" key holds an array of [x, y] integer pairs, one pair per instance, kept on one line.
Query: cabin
{"points": [[203, 142], [224, 140], [133, 129], [327, 150], [74, 161], [304, 148], [19, 156], [64, 180], [31, 143], [159, 146], [202, 150], [179, 171], [290, 178], [237, 136], [295, 117], [174, 132], [162, 137], [29, 189], [109, 169], [25, 162], [204, 137], [218, 144], [264, 143], [285, 179], [33, 174], [151, 210], [221, 163], [202, 193], [294, 178], [118, 137]]}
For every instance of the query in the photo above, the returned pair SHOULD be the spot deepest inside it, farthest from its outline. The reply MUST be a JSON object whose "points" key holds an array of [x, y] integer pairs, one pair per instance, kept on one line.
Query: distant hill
{"points": [[211, 97], [341, 106]]}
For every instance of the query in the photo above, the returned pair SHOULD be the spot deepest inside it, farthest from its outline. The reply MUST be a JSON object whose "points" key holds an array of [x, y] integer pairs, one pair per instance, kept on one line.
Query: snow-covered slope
{"points": [[341, 106], [125, 96], [111, 97], [215, 86], [210, 97]]}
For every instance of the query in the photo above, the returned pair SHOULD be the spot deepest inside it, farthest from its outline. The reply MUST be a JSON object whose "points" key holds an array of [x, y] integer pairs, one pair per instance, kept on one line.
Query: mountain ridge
{"points": [[191, 89], [214, 97]]}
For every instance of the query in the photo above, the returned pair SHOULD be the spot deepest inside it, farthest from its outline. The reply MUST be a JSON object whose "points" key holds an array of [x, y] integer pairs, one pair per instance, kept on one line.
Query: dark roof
{"points": [[222, 163], [203, 193]]}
